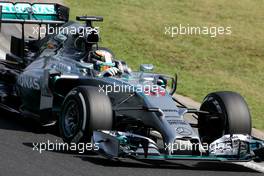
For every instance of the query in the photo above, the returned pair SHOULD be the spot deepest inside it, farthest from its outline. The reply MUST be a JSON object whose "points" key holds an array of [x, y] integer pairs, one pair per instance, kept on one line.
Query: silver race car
{"points": [[67, 79]]}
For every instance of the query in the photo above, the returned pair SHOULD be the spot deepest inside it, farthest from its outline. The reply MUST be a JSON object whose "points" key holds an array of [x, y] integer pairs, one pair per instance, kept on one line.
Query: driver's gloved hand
{"points": [[122, 66], [110, 72]]}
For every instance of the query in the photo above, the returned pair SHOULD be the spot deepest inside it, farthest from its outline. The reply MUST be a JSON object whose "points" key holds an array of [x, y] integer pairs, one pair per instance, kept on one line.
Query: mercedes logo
{"points": [[183, 131]]}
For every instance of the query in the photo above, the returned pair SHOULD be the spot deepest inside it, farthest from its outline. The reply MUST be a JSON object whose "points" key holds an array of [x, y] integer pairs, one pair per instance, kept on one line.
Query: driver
{"points": [[103, 59], [104, 63]]}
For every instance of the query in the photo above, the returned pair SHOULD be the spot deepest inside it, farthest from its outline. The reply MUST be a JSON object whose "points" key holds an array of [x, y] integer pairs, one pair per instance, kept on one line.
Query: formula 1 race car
{"points": [[65, 78]]}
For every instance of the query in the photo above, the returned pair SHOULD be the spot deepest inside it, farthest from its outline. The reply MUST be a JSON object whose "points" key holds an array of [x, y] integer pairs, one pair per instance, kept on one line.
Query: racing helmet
{"points": [[103, 59]]}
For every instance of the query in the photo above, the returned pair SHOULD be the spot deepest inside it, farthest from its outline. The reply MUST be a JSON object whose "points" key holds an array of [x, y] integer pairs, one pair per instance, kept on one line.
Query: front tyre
{"points": [[228, 114], [84, 110]]}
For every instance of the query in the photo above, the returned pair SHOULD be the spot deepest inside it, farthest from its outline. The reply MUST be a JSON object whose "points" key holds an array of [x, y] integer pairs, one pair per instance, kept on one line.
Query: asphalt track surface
{"points": [[17, 157]]}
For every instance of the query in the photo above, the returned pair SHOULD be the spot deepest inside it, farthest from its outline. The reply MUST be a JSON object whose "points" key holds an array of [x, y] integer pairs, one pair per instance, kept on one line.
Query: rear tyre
{"points": [[228, 114], [84, 109]]}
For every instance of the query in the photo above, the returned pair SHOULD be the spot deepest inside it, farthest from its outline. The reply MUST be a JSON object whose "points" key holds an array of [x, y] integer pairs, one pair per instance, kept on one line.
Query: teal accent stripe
{"points": [[182, 157]]}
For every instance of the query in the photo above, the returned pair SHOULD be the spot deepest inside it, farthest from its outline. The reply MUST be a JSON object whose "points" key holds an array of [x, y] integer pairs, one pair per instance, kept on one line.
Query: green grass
{"points": [[134, 30]]}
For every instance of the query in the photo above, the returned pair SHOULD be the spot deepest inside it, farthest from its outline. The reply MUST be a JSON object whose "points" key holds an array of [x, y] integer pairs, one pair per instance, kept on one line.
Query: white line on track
{"points": [[252, 165]]}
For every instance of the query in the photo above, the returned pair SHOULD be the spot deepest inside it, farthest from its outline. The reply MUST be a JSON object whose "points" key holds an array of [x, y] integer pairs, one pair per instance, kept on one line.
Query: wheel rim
{"points": [[214, 127], [71, 118]]}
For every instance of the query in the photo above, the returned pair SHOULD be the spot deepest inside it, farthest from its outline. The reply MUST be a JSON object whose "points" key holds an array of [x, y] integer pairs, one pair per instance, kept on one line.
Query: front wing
{"points": [[114, 144]]}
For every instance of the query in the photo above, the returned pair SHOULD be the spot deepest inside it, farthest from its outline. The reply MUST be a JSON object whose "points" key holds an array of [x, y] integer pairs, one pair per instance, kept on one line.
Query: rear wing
{"points": [[33, 13]]}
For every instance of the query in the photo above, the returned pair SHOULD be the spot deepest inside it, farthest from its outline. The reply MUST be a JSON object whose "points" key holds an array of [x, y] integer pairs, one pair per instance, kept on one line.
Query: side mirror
{"points": [[146, 67]]}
